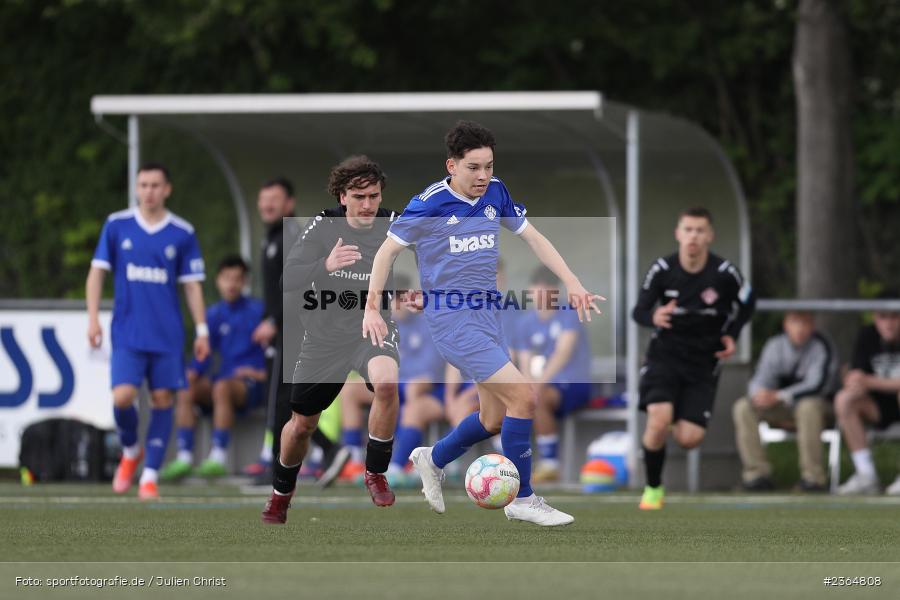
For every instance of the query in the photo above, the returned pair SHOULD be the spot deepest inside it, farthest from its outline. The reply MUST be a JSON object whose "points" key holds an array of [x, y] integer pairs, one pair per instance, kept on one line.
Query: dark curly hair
{"points": [[355, 172], [468, 135]]}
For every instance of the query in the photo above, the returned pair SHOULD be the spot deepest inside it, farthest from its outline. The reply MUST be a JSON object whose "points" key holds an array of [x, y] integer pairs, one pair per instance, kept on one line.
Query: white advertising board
{"points": [[47, 370]]}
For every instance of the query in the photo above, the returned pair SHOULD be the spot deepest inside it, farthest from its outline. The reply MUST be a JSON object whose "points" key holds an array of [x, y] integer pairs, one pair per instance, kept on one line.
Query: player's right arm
{"points": [[373, 325], [104, 259], [93, 291], [311, 257], [651, 291]]}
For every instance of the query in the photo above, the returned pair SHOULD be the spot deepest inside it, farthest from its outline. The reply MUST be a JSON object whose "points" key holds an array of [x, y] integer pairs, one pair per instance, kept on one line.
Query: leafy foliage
{"points": [[726, 65]]}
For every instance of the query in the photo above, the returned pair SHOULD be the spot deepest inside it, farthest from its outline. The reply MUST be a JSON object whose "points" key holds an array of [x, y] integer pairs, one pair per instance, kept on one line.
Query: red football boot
{"points": [[379, 489], [275, 512]]}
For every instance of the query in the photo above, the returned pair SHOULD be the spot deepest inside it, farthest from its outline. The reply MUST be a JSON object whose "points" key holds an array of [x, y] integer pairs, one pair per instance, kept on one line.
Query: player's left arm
{"points": [[562, 354], [191, 273], [373, 325], [743, 295], [193, 294], [547, 253]]}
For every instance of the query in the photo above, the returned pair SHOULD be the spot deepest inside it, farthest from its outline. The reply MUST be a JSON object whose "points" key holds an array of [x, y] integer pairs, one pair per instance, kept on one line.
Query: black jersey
{"points": [[709, 304], [332, 304], [875, 356]]}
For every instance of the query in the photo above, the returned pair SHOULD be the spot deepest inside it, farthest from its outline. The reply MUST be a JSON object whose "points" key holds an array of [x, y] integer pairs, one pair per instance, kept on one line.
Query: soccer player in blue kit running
{"points": [[455, 225]]}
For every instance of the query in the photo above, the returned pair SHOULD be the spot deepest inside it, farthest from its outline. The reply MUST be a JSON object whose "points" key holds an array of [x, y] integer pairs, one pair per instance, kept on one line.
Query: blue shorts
{"points": [[256, 395], [437, 390], [573, 396], [475, 345], [162, 371]]}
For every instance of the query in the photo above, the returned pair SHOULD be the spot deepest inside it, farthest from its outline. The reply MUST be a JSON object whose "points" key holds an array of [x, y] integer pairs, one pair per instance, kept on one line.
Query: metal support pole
{"points": [[134, 158], [631, 286]]}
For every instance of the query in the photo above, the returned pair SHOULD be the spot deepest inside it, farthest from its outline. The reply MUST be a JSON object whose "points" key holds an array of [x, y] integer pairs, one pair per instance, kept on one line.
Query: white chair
{"points": [[832, 437]]}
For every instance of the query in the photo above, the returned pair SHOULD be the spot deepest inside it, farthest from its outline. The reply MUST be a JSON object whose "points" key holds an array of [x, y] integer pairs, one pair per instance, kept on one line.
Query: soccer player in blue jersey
{"points": [[238, 383], [149, 251], [455, 225], [553, 349]]}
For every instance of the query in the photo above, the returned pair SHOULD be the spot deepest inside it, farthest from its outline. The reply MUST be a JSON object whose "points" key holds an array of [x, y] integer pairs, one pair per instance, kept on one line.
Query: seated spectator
{"points": [[792, 388], [553, 349], [870, 396], [238, 382]]}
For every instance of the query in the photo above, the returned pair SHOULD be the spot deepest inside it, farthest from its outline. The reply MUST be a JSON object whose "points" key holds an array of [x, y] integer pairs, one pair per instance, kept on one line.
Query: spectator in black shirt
{"points": [[870, 395]]}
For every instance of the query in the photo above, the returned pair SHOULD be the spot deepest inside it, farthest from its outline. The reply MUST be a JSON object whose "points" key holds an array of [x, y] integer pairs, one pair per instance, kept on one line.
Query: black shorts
{"points": [[323, 366], [691, 391], [888, 408]]}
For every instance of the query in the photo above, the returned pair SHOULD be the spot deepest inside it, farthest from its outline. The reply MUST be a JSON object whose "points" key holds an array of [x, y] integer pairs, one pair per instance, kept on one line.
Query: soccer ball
{"points": [[492, 481]]}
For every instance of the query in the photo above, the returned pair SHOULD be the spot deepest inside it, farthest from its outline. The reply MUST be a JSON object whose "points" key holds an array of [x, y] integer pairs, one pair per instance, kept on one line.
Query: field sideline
{"points": [[220, 524]]}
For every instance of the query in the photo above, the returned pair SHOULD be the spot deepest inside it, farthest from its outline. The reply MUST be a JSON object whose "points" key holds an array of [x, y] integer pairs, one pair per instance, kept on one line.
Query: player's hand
{"points": [[264, 333], [374, 327], [201, 348], [728, 347], [662, 316], [583, 300], [95, 333], [341, 256], [764, 399], [413, 301]]}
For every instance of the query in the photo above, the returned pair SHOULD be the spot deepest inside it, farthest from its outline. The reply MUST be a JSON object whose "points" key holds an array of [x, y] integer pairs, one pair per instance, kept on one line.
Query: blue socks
{"points": [[158, 433], [548, 446], [127, 424], [185, 437], [352, 439], [516, 437], [470, 431], [406, 440], [220, 438]]}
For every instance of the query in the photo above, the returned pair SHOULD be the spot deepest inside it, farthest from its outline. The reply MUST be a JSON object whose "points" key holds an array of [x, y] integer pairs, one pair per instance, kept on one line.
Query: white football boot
{"points": [[894, 488], [859, 484], [432, 477], [535, 510]]}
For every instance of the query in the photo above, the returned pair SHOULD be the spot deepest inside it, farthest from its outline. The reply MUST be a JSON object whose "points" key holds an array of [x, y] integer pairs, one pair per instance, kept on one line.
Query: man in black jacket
{"points": [[697, 304], [330, 266]]}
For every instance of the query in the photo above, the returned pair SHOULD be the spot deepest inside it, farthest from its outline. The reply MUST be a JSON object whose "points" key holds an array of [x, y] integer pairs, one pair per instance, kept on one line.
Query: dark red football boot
{"points": [[275, 512], [379, 489]]}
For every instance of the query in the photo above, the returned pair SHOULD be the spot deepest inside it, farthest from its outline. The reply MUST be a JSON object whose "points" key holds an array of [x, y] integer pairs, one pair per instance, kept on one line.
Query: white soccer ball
{"points": [[492, 481]]}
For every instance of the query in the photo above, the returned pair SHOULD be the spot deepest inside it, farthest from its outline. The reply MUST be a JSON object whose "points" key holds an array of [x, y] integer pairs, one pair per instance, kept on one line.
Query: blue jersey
{"points": [[147, 262], [418, 355], [539, 337], [230, 335], [457, 239]]}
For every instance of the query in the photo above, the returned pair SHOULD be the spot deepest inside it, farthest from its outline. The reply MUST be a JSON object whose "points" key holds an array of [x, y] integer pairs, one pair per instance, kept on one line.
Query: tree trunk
{"points": [[825, 214]]}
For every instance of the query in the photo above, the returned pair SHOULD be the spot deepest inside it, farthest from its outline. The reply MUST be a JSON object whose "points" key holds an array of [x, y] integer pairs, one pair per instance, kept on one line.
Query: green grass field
{"points": [[790, 541]]}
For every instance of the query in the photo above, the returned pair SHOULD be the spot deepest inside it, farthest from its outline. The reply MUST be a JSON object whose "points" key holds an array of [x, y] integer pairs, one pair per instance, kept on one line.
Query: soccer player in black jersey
{"points": [[330, 265], [697, 303]]}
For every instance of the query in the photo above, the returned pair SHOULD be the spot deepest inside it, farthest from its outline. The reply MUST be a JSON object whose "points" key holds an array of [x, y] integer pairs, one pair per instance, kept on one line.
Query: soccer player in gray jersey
{"points": [[330, 265]]}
